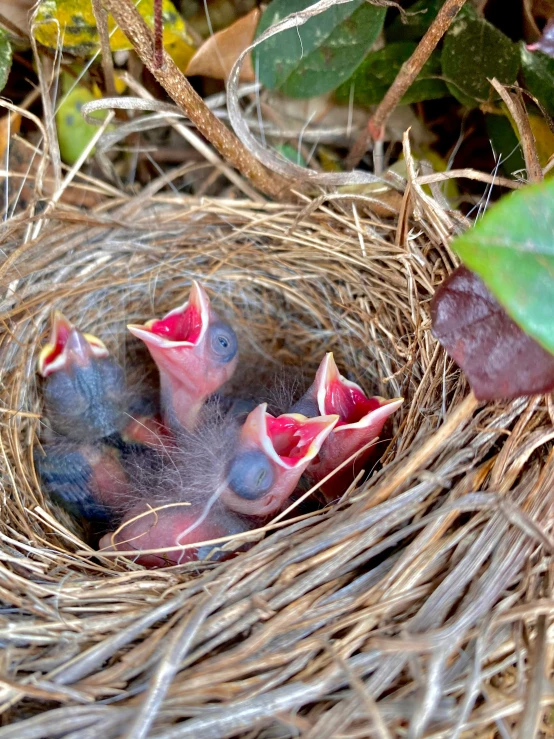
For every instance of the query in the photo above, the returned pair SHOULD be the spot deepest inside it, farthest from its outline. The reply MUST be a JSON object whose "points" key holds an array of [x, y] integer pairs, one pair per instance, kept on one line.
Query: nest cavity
{"points": [[414, 607]]}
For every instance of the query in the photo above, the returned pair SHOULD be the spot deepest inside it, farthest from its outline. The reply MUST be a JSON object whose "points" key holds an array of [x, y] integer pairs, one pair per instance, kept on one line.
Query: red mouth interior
{"points": [[61, 336], [349, 403], [183, 326], [290, 437]]}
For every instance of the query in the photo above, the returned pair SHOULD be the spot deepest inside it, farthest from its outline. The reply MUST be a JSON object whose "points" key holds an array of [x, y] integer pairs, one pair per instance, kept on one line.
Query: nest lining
{"points": [[403, 607]]}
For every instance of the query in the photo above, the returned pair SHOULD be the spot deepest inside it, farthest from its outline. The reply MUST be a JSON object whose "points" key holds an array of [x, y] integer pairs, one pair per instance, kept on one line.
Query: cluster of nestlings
{"points": [[198, 464]]}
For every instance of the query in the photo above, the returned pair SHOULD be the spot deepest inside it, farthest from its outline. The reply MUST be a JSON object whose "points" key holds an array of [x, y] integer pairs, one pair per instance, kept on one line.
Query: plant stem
{"points": [[178, 87], [516, 108], [405, 77], [158, 34], [101, 17]]}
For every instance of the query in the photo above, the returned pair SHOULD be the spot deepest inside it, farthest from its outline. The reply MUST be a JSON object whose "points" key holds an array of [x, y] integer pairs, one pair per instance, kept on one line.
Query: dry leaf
{"points": [[9, 125], [17, 12], [217, 54], [499, 359]]}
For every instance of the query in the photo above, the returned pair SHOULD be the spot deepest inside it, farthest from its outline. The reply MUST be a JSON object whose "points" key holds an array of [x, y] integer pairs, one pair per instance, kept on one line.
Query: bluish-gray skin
{"points": [[87, 403], [223, 342], [251, 475], [306, 406], [67, 476]]}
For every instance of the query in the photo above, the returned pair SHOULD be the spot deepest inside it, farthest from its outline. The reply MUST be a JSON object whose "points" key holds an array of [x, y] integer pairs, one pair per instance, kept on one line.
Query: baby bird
{"points": [[88, 480], [96, 425], [272, 454], [196, 353], [170, 528], [84, 391], [361, 420], [220, 479]]}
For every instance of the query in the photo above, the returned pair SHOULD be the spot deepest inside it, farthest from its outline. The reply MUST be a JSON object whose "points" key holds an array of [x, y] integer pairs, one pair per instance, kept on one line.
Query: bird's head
{"points": [[333, 393], [84, 390], [273, 453], [192, 346]]}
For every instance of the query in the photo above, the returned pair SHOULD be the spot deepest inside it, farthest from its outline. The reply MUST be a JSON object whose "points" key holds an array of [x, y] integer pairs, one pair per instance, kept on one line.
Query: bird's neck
{"points": [[180, 407]]}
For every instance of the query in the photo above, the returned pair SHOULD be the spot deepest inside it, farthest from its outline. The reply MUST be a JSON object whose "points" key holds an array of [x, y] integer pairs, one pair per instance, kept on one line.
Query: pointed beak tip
{"points": [[397, 402], [42, 365], [140, 331]]}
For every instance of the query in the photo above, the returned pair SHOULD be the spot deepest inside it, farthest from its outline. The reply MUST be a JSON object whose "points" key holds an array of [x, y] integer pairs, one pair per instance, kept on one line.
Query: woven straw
{"points": [[417, 606]]}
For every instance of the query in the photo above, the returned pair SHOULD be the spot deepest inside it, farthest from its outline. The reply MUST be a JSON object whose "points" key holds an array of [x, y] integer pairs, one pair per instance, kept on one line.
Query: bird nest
{"points": [[415, 606]]}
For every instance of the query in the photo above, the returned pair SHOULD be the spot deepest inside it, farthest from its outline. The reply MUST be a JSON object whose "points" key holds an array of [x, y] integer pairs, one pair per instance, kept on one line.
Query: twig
{"points": [[51, 136], [11, 27], [158, 34], [101, 17], [177, 86], [405, 77], [470, 174], [517, 110]]}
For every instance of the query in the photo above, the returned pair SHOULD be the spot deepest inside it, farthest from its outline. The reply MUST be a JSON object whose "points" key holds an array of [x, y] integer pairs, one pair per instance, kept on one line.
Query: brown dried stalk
{"points": [[516, 107], [405, 77], [178, 87], [101, 17]]}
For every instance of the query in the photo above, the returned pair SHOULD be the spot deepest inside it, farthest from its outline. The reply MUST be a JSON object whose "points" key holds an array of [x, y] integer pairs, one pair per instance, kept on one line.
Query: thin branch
{"points": [[404, 79], [470, 174], [517, 110], [101, 17], [158, 34], [178, 87], [11, 27]]}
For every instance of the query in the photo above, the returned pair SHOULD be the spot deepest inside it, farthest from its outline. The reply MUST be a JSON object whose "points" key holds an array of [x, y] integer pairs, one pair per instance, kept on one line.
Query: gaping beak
{"points": [[184, 326], [361, 422], [67, 345], [290, 442], [336, 394], [195, 352]]}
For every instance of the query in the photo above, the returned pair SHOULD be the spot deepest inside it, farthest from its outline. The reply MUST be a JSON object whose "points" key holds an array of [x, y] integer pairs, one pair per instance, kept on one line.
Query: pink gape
{"points": [[361, 420], [57, 355], [196, 353], [271, 455], [276, 451]]}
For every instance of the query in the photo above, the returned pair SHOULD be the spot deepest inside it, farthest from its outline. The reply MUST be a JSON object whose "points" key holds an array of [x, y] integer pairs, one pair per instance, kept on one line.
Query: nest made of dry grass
{"points": [[416, 607]]}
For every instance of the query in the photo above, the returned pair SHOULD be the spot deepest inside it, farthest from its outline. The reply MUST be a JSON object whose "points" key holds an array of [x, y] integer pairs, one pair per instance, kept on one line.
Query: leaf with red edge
{"points": [[499, 359]]}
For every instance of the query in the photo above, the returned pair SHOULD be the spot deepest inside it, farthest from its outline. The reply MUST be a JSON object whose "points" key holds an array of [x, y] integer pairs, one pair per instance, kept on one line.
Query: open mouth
{"points": [[183, 326], [349, 402], [337, 395], [291, 439], [54, 355]]}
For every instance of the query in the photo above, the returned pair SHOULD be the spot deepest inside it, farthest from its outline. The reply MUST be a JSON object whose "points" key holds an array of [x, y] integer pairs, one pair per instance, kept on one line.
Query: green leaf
{"points": [[5, 59], [512, 249], [505, 144], [475, 51], [291, 153], [317, 56], [74, 133], [419, 17], [376, 73], [538, 74]]}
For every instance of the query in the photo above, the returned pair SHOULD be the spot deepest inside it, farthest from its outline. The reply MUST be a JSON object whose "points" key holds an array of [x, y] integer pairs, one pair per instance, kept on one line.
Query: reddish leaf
{"points": [[499, 359]]}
